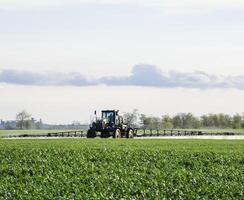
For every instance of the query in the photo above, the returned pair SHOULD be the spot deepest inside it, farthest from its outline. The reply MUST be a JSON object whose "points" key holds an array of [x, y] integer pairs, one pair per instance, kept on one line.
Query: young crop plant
{"points": [[121, 169]]}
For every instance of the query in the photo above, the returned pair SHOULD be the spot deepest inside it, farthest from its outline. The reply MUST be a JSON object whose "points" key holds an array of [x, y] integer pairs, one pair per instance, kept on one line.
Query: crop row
{"points": [[108, 169]]}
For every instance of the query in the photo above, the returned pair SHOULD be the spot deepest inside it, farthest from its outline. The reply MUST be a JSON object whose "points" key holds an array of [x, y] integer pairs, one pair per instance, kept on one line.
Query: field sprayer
{"points": [[111, 124]]}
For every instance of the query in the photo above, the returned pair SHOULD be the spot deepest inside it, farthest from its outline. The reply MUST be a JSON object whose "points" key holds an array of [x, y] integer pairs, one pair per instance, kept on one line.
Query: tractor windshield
{"points": [[108, 115]]}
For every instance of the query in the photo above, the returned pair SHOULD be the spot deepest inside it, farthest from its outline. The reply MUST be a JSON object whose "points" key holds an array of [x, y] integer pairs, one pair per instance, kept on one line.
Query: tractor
{"points": [[111, 124]]}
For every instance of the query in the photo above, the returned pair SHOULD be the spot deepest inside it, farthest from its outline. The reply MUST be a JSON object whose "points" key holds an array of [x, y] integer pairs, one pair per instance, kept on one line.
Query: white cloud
{"points": [[169, 6], [142, 75]]}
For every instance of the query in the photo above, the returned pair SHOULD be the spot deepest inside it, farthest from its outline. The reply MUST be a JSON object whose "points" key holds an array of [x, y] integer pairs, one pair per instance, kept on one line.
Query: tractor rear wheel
{"points": [[91, 134], [130, 134], [117, 133]]}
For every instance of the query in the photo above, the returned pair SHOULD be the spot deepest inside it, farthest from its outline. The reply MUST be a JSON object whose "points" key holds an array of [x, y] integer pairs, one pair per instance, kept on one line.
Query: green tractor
{"points": [[111, 124]]}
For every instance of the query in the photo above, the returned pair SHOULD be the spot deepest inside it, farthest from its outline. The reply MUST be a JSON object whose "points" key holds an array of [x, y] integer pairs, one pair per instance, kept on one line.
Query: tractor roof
{"points": [[108, 110]]}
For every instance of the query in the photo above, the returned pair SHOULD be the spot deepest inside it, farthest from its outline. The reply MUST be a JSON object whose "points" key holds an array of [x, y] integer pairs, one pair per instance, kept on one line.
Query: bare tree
{"points": [[23, 119], [131, 118]]}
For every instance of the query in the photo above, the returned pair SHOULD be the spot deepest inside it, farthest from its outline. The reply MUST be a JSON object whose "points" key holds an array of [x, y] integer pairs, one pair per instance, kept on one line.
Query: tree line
{"points": [[190, 121], [178, 121], [185, 121]]}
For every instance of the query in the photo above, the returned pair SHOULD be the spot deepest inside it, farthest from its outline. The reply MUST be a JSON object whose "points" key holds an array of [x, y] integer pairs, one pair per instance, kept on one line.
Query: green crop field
{"points": [[121, 169]]}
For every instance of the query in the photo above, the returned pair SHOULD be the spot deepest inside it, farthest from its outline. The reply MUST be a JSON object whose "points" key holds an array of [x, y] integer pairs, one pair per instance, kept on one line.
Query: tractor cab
{"points": [[109, 116]]}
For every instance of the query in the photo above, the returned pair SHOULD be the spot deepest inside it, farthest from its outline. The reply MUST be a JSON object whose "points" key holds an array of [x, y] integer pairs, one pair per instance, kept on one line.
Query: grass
{"points": [[116, 169]]}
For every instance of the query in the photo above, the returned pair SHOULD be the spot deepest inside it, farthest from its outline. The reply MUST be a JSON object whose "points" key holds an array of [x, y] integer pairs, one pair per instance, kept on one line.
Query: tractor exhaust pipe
{"points": [[95, 113]]}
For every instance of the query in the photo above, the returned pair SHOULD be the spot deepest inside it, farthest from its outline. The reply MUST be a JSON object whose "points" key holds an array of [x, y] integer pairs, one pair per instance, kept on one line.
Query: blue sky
{"points": [[107, 39]]}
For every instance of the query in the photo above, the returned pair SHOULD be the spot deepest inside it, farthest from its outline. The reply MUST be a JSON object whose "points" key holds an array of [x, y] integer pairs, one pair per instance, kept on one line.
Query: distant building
{"points": [[38, 124], [1, 124], [10, 124]]}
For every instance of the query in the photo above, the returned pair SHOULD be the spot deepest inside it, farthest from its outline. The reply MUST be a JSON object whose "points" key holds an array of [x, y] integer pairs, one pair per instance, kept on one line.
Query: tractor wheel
{"points": [[117, 133], [91, 134], [130, 134]]}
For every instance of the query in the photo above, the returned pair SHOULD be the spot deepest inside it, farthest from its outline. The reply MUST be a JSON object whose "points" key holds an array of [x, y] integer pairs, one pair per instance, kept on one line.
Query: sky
{"points": [[62, 59]]}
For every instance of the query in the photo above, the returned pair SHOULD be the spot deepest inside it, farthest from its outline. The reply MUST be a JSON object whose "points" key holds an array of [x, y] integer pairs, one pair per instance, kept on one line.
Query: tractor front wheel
{"points": [[130, 134], [117, 133]]}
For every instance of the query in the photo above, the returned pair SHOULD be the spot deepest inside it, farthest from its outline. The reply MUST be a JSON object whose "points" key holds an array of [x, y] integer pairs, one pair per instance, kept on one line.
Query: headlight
{"points": [[105, 121]]}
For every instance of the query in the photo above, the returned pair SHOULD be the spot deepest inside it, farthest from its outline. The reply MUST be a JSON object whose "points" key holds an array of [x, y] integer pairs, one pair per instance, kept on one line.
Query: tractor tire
{"points": [[130, 134], [91, 134], [117, 133]]}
